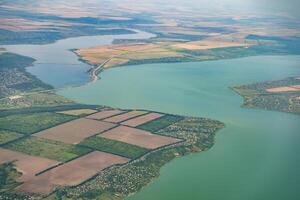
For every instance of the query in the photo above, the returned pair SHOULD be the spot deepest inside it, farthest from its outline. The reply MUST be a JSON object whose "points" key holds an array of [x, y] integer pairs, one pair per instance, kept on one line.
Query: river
{"points": [[256, 156]]}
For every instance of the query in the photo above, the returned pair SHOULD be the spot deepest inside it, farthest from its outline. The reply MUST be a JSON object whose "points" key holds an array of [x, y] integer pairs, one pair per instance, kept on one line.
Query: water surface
{"points": [[256, 156], [57, 65]]}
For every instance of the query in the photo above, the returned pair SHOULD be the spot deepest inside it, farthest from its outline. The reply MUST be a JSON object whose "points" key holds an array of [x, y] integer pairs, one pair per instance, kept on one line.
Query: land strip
{"points": [[94, 154], [281, 95]]}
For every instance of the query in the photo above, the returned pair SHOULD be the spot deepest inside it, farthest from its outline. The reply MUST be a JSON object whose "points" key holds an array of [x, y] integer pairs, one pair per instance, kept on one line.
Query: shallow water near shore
{"points": [[256, 156]]}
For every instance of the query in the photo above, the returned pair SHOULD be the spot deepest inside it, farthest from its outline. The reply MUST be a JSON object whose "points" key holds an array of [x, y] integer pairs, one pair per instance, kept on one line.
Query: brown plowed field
{"points": [[28, 165], [104, 114], [142, 119], [72, 173], [138, 137], [75, 131], [125, 116]]}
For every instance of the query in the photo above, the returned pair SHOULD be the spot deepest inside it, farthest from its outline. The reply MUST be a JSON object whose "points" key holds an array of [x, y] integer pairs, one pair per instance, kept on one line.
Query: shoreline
{"points": [[95, 70]]}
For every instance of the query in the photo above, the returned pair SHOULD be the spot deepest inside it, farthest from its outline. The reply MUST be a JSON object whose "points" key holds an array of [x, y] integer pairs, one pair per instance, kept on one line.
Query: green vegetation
{"points": [[37, 99], [120, 181], [11, 60], [160, 123], [56, 108], [197, 132], [115, 147], [47, 148], [44, 37], [78, 112], [8, 176], [92, 194], [14, 79], [256, 96], [7, 136], [31, 123]]}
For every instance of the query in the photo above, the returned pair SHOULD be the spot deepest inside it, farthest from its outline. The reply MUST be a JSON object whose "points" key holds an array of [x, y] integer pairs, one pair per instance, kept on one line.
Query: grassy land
{"points": [[78, 112], [256, 96], [7, 136], [14, 79], [47, 148], [40, 109], [31, 123], [8, 176], [115, 147], [152, 51], [120, 181], [160, 123], [37, 99]]}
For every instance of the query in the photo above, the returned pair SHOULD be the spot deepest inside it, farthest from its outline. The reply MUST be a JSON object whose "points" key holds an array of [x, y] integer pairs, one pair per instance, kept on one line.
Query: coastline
{"points": [[168, 153]]}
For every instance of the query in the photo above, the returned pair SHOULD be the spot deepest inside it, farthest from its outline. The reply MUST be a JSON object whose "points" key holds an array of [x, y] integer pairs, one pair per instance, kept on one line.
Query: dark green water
{"points": [[256, 157]]}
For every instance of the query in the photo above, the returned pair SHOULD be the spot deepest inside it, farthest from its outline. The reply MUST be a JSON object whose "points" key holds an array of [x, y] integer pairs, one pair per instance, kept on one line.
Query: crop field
{"points": [[142, 119], [150, 54], [114, 147], [125, 116], [49, 161], [122, 54], [75, 131], [7, 136], [160, 123], [92, 55], [208, 44], [115, 62], [72, 173], [31, 123], [78, 112], [28, 165], [138, 137], [280, 95], [54, 150], [104, 114], [41, 99], [293, 88]]}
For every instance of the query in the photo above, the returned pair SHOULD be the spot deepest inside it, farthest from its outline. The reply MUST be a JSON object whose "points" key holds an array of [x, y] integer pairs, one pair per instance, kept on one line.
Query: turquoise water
{"points": [[256, 156]]}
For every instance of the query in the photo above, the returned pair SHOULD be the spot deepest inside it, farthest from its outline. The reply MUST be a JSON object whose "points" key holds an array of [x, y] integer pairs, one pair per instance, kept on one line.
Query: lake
{"points": [[58, 66], [256, 156]]}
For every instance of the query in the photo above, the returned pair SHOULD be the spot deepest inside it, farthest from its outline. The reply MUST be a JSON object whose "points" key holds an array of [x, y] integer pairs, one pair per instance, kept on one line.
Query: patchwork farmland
{"points": [[68, 147], [75, 131], [71, 173], [138, 137]]}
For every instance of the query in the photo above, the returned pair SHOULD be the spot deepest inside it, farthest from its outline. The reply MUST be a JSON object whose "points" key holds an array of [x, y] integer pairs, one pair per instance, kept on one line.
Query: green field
{"points": [[47, 148], [256, 96], [8, 175], [160, 123], [7, 136], [115, 147], [14, 79], [31, 123]]}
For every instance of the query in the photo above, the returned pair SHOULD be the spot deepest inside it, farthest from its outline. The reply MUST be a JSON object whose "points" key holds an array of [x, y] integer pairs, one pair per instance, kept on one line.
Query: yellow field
{"points": [[207, 44], [121, 54], [114, 55], [78, 112], [115, 61]]}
